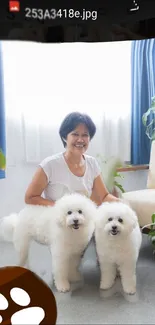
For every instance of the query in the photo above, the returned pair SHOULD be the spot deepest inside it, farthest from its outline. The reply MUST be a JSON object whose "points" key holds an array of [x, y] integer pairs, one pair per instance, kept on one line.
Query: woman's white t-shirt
{"points": [[62, 181]]}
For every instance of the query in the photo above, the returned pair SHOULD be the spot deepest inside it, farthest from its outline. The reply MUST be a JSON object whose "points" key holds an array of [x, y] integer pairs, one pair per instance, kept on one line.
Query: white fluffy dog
{"points": [[66, 228], [118, 241]]}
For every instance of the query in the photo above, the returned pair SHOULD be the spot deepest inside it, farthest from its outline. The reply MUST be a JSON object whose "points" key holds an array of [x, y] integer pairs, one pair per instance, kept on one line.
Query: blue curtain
{"points": [[2, 124], [143, 88]]}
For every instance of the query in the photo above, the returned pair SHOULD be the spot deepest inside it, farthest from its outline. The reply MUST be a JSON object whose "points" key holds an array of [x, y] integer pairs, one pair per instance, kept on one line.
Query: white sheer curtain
{"points": [[44, 82]]}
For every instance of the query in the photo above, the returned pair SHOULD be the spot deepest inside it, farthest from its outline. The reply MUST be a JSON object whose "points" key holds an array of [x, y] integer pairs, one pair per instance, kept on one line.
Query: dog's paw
{"points": [[75, 277], [106, 285], [130, 291], [129, 287], [63, 286]]}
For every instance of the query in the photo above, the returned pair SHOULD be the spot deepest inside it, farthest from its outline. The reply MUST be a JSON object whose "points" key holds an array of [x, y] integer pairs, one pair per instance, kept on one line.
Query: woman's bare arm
{"points": [[35, 189], [100, 194]]}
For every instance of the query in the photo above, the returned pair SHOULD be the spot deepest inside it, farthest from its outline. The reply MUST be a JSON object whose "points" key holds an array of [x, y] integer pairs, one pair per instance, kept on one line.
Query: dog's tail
{"points": [[7, 226]]}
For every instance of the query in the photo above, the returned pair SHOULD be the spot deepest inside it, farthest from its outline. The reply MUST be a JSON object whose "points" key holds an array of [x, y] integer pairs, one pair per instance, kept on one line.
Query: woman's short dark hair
{"points": [[71, 121]]}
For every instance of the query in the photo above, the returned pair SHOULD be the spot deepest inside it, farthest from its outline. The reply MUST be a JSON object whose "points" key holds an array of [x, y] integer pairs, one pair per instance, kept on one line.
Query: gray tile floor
{"points": [[85, 303]]}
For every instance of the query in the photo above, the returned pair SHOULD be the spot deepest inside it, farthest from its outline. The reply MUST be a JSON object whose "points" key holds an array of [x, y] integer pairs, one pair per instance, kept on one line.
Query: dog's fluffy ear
{"points": [[60, 220], [132, 214], [100, 215]]}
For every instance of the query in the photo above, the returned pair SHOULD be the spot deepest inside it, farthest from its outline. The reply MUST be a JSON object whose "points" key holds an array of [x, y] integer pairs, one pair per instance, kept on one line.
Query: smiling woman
{"points": [[72, 170]]}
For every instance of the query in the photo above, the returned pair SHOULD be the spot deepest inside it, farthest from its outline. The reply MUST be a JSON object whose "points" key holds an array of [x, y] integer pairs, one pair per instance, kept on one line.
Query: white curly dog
{"points": [[118, 241], [66, 228]]}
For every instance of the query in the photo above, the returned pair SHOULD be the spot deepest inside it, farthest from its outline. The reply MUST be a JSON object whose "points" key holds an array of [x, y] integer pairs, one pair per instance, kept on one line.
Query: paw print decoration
{"points": [[25, 298]]}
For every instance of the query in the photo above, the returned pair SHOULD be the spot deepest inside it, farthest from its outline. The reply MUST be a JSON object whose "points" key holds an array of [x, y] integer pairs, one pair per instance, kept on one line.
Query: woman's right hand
{"points": [[36, 188]]}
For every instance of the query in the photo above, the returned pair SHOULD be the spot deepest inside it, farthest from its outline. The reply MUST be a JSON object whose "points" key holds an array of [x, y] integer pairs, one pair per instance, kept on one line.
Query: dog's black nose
{"points": [[75, 221], [114, 227]]}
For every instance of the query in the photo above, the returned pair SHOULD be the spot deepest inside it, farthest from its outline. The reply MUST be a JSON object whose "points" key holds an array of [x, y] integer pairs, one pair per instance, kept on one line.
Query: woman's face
{"points": [[78, 140]]}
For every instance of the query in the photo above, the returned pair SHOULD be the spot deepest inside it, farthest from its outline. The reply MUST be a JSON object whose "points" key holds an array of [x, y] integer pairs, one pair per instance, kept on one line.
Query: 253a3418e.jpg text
{"points": [[48, 14]]}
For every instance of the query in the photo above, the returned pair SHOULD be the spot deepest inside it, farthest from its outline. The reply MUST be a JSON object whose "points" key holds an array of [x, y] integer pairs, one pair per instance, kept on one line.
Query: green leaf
{"points": [[110, 173], [153, 101], [153, 240], [119, 186], [153, 218], [151, 233], [144, 118], [153, 135], [150, 131], [145, 115], [2, 160], [150, 128], [118, 175]]}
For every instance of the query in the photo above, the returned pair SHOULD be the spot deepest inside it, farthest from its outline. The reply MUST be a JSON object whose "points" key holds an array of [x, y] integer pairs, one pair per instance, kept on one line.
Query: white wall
{"points": [[134, 180], [12, 189]]}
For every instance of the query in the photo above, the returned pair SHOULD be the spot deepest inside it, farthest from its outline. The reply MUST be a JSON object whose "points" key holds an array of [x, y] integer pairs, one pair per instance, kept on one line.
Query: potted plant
{"points": [[151, 232], [148, 120], [111, 175]]}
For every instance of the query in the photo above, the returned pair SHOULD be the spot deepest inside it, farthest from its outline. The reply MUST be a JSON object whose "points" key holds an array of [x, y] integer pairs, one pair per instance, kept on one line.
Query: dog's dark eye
{"points": [[120, 220], [110, 219], [80, 211], [69, 212]]}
